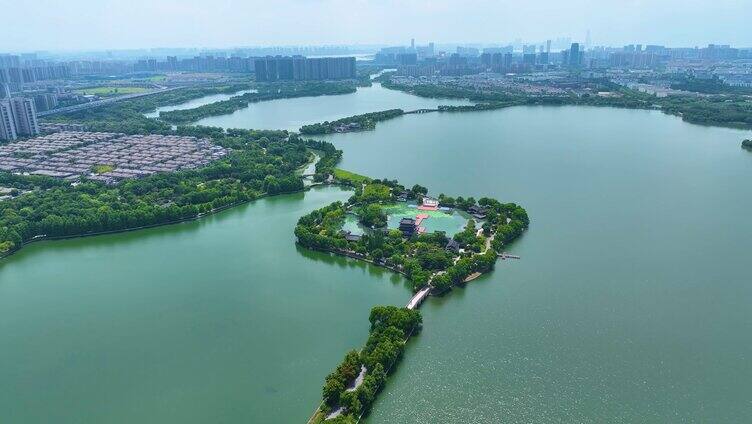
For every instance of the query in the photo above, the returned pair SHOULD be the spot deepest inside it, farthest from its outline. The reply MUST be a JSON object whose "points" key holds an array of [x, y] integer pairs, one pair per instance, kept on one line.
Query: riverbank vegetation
{"points": [[327, 163], [364, 122], [421, 257], [389, 331], [127, 116], [365, 71], [260, 163], [707, 86], [722, 110], [350, 178], [265, 92]]}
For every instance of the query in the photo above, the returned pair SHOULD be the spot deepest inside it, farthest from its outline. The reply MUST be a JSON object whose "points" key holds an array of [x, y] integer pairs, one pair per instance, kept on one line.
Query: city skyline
{"points": [[113, 25]]}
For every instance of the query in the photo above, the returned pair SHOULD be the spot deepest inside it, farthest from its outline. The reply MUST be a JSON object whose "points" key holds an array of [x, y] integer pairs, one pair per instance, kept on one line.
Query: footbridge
{"points": [[421, 111]]}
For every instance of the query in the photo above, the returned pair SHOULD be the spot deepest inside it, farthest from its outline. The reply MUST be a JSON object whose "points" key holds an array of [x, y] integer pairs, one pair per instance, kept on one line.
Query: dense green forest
{"points": [[707, 86], [390, 328], [366, 121], [728, 111], [271, 91], [261, 162]]}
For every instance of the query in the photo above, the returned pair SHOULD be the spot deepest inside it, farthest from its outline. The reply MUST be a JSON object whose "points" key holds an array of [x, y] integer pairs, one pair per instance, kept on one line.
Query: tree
{"points": [[372, 216], [377, 254], [332, 389], [419, 190], [441, 282], [351, 403], [342, 419]]}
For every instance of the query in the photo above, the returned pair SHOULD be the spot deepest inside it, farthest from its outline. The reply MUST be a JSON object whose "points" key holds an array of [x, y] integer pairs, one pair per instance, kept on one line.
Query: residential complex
{"points": [[106, 157], [300, 68]]}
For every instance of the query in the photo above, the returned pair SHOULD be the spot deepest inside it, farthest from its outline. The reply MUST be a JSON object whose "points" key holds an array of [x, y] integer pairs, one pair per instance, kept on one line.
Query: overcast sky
{"points": [[117, 24]]}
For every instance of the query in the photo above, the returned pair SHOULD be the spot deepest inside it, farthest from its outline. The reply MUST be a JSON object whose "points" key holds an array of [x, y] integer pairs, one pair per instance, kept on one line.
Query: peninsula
{"points": [[432, 261]]}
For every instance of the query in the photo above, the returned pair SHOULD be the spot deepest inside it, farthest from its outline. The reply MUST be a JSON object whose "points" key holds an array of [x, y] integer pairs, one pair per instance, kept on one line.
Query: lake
{"points": [[291, 114], [218, 320], [630, 303], [194, 103]]}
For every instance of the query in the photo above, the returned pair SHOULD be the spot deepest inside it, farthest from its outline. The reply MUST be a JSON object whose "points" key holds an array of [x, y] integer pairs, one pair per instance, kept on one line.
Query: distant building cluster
{"points": [[106, 157], [419, 61], [15, 71], [300, 68], [18, 118], [55, 85]]}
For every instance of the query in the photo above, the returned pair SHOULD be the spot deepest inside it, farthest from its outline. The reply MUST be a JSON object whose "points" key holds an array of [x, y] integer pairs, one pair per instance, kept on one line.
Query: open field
{"points": [[350, 177], [107, 91]]}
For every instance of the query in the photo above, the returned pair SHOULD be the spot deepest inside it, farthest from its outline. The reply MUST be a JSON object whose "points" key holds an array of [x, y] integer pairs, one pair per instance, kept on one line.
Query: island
{"points": [[364, 122]]}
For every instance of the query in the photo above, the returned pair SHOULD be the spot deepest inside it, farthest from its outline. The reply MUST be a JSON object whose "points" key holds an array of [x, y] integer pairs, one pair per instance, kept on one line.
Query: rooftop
{"points": [[76, 153]]}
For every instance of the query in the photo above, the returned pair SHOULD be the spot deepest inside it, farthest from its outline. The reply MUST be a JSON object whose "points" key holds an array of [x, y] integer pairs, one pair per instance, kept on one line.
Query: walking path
{"points": [[358, 380], [353, 387]]}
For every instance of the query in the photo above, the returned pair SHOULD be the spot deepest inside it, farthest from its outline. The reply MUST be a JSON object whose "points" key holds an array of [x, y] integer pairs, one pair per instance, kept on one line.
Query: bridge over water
{"points": [[421, 111]]}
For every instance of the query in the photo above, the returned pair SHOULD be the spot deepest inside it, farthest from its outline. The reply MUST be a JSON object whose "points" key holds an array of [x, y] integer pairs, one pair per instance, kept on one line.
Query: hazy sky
{"points": [[116, 24]]}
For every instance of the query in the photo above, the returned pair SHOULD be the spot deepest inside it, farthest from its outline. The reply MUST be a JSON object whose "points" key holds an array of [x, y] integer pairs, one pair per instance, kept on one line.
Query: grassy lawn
{"points": [[107, 91], [101, 169], [351, 177]]}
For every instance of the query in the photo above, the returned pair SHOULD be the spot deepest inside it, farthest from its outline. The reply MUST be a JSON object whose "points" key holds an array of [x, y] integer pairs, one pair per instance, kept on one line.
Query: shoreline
{"points": [[486, 105], [38, 238], [41, 238]]}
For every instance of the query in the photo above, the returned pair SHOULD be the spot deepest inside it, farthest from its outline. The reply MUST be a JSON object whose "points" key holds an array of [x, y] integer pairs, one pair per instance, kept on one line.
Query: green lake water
{"points": [[201, 101], [291, 114], [221, 320], [631, 303]]}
